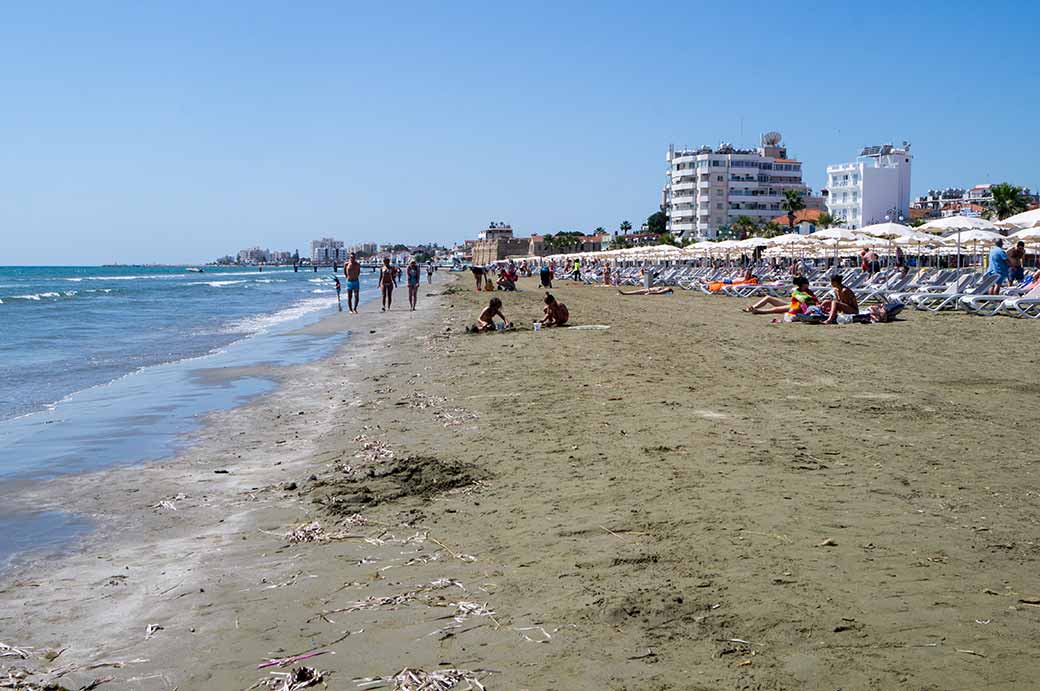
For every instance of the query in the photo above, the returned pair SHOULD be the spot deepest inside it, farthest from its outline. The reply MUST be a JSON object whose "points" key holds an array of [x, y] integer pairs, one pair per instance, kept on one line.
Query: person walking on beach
{"points": [[478, 276], [387, 283], [545, 276], [352, 272], [429, 273], [998, 266], [339, 303], [413, 275], [577, 270]]}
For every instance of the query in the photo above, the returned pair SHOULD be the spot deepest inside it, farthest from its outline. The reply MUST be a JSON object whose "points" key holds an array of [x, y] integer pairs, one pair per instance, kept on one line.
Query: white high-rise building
{"points": [[709, 188], [327, 251], [872, 189]]}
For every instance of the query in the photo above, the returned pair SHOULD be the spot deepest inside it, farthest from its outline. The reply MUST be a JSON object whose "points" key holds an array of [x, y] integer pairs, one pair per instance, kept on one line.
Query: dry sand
{"points": [[691, 499]]}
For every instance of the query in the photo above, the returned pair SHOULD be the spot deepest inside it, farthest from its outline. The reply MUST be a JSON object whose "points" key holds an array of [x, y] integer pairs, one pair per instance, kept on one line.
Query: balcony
{"points": [[680, 186]]}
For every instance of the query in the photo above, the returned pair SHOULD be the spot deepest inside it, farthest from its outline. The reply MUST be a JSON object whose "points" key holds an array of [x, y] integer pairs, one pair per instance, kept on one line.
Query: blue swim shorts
{"points": [[353, 285]]}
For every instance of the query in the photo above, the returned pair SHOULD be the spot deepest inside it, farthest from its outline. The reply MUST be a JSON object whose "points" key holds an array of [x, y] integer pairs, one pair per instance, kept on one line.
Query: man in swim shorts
{"points": [[352, 272]]}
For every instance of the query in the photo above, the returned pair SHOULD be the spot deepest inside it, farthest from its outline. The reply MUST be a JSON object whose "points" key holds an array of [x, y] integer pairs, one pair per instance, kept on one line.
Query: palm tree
{"points": [[744, 226], [827, 221], [625, 226], [792, 203], [1007, 200], [771, 229], [600, 230]]}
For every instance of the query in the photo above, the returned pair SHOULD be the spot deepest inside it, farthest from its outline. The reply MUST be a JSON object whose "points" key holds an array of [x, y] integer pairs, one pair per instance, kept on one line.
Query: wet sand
{"points": [[693, 498]]}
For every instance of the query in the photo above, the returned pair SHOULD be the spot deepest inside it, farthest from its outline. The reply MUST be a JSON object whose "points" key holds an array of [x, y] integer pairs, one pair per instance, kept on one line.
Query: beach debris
{"points": [[313, 532], [288, 582], [285, 661], [171, 503], [828, 543], [541, 635], [296, 678], [463, 611], [313, 652], [372, 449], [422, 593], [152, 630], [1032, 600], [14, 651], [436, 680], [971, 652], [648, 654]]}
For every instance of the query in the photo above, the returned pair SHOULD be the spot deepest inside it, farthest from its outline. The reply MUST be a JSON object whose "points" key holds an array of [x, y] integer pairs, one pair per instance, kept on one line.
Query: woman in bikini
{"points": [[387, 283]]}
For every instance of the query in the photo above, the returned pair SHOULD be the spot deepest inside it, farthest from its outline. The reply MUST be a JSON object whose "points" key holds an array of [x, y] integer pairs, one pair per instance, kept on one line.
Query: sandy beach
{"points": [[691, 498]]}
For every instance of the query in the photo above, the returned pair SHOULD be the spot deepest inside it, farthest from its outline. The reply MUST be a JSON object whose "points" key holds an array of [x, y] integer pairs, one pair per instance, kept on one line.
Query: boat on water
{"points": [[194, 269]]}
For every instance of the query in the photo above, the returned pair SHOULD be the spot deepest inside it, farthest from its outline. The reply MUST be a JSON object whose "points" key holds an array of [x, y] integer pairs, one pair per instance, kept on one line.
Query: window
{"points": [[719, 205], [718, 178]]}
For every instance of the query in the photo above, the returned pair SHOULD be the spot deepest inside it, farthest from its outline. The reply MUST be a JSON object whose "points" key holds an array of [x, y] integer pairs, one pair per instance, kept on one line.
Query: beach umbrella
{"points": [[1027, 235], [887, 231], [975, 236], [834, 234], [1026, 219], [957, 224], [835, 237]]}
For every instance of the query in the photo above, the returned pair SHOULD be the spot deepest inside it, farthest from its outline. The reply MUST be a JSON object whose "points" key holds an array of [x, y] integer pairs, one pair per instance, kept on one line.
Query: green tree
{"points": [[619, 243], [771, 229], [657, 223], [625, 226], [1008, 200], [917, 222], [792, 203], [669, 239], [744, 227], [600, 230], [827, 221]]}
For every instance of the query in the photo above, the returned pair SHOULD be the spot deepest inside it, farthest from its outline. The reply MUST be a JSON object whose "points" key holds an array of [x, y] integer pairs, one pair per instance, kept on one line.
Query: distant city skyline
{"points": [[141, 133]]}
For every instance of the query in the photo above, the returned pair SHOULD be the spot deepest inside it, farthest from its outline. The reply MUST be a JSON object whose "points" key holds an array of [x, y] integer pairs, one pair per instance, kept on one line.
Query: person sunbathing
{"points": [[802, 298], [844, 301], [486, 321], [556, 313], [646, 291], [748, 280]]}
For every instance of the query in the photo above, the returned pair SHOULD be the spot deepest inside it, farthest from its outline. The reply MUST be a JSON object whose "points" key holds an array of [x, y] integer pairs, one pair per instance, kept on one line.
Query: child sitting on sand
{"points": [[486, 321], [556, 313]]}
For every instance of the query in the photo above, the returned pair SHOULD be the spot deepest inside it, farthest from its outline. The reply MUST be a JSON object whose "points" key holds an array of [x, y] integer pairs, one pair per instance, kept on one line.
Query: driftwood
{"points": [[437, 680]]}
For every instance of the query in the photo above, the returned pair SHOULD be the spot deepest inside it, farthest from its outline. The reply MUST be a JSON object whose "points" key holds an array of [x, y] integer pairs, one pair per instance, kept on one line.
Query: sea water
{"points": [[101, 366]]}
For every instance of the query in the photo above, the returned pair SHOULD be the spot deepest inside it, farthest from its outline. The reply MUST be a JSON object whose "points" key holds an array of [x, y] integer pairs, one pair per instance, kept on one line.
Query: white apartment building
{"points": [[253, 255], [873, 189], [327, 251], [709, 188]]}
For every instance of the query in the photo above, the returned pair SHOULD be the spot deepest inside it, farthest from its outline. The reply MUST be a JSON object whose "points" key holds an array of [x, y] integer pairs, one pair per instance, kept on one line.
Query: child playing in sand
{"points": [[556, 313], [486, 321]]}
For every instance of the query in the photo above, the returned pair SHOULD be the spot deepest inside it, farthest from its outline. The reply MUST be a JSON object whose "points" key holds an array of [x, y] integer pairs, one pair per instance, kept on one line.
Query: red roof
{"points": [[810, 215]]}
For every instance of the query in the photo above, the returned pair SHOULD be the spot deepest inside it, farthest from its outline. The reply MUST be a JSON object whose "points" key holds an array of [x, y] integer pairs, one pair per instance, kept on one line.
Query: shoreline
{"points": [[162, 491], [631, 507]]}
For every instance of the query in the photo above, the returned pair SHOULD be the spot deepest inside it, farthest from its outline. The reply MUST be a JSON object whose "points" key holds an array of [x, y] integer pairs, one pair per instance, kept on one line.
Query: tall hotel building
{"points": [[872, 189], [709, 188]]}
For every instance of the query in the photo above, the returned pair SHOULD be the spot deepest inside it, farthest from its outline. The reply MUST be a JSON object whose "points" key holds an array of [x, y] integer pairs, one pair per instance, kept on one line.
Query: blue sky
{"points": [[178, 132]]}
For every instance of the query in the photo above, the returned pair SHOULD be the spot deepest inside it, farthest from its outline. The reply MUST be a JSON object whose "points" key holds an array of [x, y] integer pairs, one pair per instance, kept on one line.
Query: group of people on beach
{"points": [[554, 313], [803, 305], [389, 276]]}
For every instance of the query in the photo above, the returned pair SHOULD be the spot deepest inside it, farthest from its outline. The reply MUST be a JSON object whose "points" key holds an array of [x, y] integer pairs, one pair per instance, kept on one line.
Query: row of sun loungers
{"points": [[931, 290]]}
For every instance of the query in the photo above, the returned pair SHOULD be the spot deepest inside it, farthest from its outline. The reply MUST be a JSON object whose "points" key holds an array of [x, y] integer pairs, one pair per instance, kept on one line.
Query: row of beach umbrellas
{"points": [[938, 235]]}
